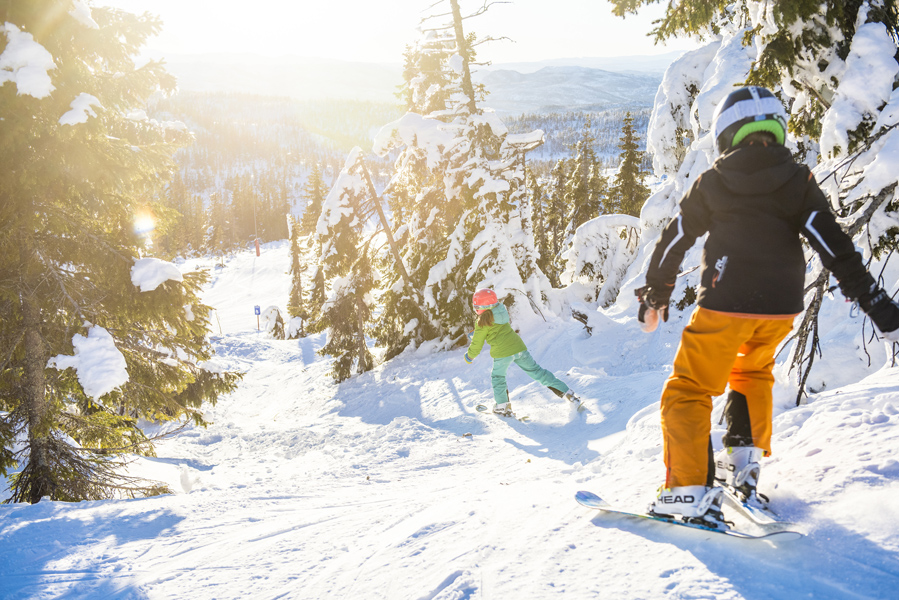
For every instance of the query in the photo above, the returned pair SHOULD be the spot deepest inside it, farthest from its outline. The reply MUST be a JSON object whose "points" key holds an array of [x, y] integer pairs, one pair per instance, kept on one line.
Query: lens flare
{"points": [[144, 223]]}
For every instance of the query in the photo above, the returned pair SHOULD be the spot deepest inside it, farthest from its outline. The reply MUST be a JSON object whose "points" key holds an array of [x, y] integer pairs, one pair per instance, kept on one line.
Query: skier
{"points": [[753, 202], [493, 326]]}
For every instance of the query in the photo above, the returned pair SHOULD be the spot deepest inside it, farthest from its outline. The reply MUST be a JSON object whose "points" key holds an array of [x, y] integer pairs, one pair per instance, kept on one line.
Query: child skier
{"points": [[753, 202], [493, 326]]}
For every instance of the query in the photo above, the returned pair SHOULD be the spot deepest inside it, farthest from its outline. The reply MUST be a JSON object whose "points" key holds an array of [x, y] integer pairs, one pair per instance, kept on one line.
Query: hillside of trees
{"points": [[564, 130], [248, 163], [251, 156]]}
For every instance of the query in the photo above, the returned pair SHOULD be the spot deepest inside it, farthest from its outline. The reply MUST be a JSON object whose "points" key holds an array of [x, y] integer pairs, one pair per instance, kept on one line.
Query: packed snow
{"points": [[390, 485]]}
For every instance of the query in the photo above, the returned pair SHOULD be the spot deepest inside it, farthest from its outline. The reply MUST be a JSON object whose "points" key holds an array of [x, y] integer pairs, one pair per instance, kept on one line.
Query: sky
{"points": [[362, 30]]}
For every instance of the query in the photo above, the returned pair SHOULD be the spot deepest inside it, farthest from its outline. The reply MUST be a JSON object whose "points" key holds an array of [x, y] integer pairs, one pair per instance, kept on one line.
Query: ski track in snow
{"points": [[301, 488]]}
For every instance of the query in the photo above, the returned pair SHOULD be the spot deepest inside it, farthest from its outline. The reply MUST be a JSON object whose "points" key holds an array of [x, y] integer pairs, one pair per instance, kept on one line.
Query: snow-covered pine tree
{"points": [[416, 192], [347, 313], [458, 187], [79, 160], [628, 193], [834, 64], [427, 78], [314, 193], [347, 266], [601, 251], [482, 175]]}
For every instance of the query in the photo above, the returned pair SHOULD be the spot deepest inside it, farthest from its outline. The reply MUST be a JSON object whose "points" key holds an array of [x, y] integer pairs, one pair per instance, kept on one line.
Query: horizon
{"points": [[555, 61]]}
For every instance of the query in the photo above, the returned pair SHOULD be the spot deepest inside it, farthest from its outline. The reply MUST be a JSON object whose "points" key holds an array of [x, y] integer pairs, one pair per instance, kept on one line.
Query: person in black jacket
{"points": [[754, 202]]}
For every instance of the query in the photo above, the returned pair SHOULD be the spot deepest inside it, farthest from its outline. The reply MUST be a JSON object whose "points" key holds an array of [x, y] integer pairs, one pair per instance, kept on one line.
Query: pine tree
{"points": [[76, 171], [347, 313], [295, 307], [628, 192], [482, 176], [218, 227], [347, 266], [555, 224], [538, 206], [585, 187], [318, 295], [314, 192]]}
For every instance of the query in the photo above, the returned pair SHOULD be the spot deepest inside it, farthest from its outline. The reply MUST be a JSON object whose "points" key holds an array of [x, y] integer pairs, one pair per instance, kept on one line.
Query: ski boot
{"points": [[693, 503], [575, 401], [737, 467], [504, 409]]}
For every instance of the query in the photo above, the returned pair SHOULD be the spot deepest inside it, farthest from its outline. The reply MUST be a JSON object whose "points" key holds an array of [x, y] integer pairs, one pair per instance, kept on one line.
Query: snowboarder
{"points": [[753, 202], [493, 326]]}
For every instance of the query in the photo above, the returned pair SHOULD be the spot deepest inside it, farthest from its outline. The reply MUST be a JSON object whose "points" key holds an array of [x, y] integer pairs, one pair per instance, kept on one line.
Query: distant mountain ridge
{"points": [[528, 87], [566, 88]]}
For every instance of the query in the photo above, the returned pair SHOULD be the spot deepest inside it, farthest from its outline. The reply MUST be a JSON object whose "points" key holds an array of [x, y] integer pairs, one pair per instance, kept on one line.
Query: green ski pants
{"points": [[529, 366]]}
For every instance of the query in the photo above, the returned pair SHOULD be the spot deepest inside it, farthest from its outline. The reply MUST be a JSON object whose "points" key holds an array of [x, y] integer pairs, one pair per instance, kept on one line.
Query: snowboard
{"points": [[581, 407], [591, 500], [483, 408]]}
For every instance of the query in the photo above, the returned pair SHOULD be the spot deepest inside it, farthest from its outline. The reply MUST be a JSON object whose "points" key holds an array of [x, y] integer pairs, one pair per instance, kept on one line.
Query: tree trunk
{"points": [[376, 200], [467, 87], [36, 404], [425, 322]]}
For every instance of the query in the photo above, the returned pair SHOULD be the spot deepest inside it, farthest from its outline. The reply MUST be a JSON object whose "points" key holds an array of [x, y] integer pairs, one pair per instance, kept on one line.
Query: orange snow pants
{"points": [[717, 349]]}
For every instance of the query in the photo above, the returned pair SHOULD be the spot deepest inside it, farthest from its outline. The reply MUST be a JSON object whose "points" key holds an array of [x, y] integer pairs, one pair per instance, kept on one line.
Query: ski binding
{"points": [[761, 516], [591, 500]]}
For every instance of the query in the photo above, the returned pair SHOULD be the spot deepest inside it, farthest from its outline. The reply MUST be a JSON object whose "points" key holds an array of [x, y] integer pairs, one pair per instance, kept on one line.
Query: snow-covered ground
{"points": [[391, 486]]}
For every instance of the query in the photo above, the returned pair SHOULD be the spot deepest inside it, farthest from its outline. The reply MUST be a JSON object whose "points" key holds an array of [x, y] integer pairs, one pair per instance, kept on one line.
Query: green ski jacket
{"points": [[502, 338]]}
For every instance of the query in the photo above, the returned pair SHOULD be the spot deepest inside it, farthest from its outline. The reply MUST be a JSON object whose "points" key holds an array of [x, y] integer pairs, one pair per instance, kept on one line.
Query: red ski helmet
{"points": [[484, 299]]}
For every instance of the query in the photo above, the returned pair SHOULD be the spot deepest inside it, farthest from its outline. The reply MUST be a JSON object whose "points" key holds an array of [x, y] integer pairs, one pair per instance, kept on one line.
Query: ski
{"points": [[483, 408], [764, 517], [591, 500]]}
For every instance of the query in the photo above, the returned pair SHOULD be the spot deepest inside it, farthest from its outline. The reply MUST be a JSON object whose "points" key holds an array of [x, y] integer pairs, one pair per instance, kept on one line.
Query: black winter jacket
{"points": [[754, 202]]}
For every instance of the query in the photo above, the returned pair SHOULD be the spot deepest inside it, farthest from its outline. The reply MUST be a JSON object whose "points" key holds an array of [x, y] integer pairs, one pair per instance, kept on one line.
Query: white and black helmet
{"points": [[745, 111]]}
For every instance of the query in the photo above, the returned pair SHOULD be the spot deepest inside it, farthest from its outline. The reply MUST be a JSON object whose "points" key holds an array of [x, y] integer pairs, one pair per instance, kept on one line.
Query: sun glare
{"points": [[144, 223]]}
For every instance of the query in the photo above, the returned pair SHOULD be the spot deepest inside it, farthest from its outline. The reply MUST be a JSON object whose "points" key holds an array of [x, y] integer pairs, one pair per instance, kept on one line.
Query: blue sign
{"points": [[256, 310]]}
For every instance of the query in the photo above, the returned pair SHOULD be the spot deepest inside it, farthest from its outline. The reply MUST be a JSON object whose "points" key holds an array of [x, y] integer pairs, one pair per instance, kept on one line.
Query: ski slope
{"points": [[391, 486]]}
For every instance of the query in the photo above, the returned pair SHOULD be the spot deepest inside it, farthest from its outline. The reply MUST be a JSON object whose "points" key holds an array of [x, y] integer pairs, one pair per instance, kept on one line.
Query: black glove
{"points": [[883, 310], [654, 300]]}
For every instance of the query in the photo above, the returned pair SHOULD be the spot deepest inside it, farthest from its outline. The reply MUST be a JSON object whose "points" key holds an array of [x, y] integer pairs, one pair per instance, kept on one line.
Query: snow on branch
{"points": [[416, 131], [25, 63], [81, 12], [864, 88], [81, 110], [100, 366], [149, 273]]}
